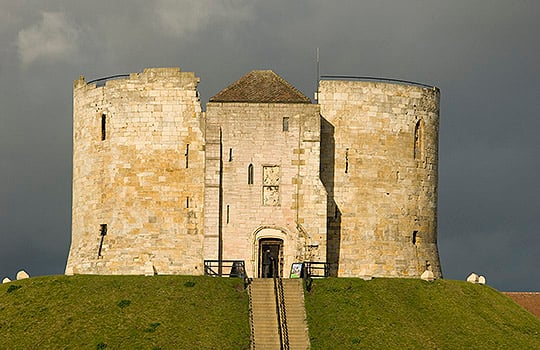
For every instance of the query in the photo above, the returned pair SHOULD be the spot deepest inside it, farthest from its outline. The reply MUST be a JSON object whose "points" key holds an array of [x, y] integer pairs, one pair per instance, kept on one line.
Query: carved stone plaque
{"points": [[271, 176]]}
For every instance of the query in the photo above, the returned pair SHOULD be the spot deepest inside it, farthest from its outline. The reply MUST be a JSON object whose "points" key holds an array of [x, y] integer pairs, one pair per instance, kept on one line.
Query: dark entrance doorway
{"points": [[270, 257]]}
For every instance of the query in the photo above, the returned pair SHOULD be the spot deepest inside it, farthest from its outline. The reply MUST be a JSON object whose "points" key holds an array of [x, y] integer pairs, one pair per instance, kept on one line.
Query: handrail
{"points": [[278, 314], [283, 315], [280, 310], [251, 325], [399, 81], [309, 272], [313, 269], [236, 268]]}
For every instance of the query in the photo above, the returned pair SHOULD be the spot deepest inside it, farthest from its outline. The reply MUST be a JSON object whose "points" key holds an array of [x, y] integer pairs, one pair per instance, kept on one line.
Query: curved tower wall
{"points": [[138, 168], [379, 155]]}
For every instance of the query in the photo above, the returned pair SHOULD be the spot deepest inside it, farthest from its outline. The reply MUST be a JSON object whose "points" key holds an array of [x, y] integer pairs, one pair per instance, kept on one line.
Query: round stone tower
{"points": [[138, 175], [379, 147]]}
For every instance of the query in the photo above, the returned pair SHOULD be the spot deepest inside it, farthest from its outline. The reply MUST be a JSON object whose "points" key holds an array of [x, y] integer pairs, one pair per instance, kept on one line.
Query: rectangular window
{"points": [[285, 123], [271, 179]]}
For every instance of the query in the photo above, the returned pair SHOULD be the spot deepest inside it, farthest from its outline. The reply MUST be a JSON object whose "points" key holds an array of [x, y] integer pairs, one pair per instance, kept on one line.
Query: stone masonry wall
{"points": [[252, 133], [379, 145], [144, 180], [351, 180]]}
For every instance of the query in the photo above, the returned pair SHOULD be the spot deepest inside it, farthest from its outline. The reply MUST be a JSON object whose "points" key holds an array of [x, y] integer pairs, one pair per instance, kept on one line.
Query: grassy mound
{"points": [[187, 312], [414, 314], [124, 312]]}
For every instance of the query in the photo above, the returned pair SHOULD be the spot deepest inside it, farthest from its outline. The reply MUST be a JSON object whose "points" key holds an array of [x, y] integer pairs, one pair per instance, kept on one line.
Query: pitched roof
{"points": [[261, 86]]}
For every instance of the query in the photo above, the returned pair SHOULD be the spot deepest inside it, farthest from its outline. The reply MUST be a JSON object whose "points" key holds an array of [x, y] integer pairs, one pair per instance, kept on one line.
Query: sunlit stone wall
{"points": [[138, 168], [286, 199], [379, 146]]}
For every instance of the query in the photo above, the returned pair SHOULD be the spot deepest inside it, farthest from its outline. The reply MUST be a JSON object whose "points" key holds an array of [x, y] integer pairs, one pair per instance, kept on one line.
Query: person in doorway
{"points": [[267, 264], [272, 267]]}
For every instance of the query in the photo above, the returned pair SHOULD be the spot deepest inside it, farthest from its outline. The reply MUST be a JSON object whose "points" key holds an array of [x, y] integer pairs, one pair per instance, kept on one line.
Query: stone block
{"points": [[473, 278], [427, 275], [22, 275]]}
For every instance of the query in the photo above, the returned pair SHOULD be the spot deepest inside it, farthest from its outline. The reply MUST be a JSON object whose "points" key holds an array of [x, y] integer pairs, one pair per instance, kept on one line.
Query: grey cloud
{"points": [[178, 19], [482, 54], [52, 38]]}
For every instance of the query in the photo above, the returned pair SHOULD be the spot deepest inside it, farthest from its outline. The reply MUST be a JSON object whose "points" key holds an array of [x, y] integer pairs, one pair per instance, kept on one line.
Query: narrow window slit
{"points": [[250, 174], [414, 236], [103, 127], [187, 156], [227, 213], [230, 154], [187, 202], [346, 161], [417, 150]]}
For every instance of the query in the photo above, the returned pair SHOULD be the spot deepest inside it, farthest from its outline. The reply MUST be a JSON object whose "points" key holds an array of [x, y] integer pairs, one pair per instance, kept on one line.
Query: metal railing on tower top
{"points": [[102, 81], [375, 79]]}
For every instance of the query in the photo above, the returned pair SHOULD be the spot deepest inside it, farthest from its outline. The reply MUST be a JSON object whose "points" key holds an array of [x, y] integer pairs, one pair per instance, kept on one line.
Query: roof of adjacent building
{"points": [[261, 86], [529, 300]]}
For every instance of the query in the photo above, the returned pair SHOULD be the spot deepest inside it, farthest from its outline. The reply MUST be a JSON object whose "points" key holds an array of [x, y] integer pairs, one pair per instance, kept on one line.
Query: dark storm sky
{"points": [[483, 55]]}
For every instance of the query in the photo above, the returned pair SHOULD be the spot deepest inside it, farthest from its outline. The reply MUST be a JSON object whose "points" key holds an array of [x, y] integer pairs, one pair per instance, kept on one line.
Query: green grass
{"points": [[124, 312], [414, 314], [187, 312]]}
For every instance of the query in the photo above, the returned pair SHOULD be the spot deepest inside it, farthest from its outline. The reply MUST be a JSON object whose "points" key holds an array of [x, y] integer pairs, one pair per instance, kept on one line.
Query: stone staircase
{"points": [[296, 314], [264, 326], [264, 319]]}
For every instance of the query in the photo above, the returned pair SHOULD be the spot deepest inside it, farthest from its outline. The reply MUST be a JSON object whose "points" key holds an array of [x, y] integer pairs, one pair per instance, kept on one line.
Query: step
{"points": [[264, 318], [293, 292]]}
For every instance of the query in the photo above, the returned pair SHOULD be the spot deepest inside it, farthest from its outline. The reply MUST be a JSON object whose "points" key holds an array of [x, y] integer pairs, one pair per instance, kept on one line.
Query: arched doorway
{"points": [[270, 257]]}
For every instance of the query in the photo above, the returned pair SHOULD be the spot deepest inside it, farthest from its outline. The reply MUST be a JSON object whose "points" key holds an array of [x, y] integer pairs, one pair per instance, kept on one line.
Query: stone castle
{"points": [[160, 186]]}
